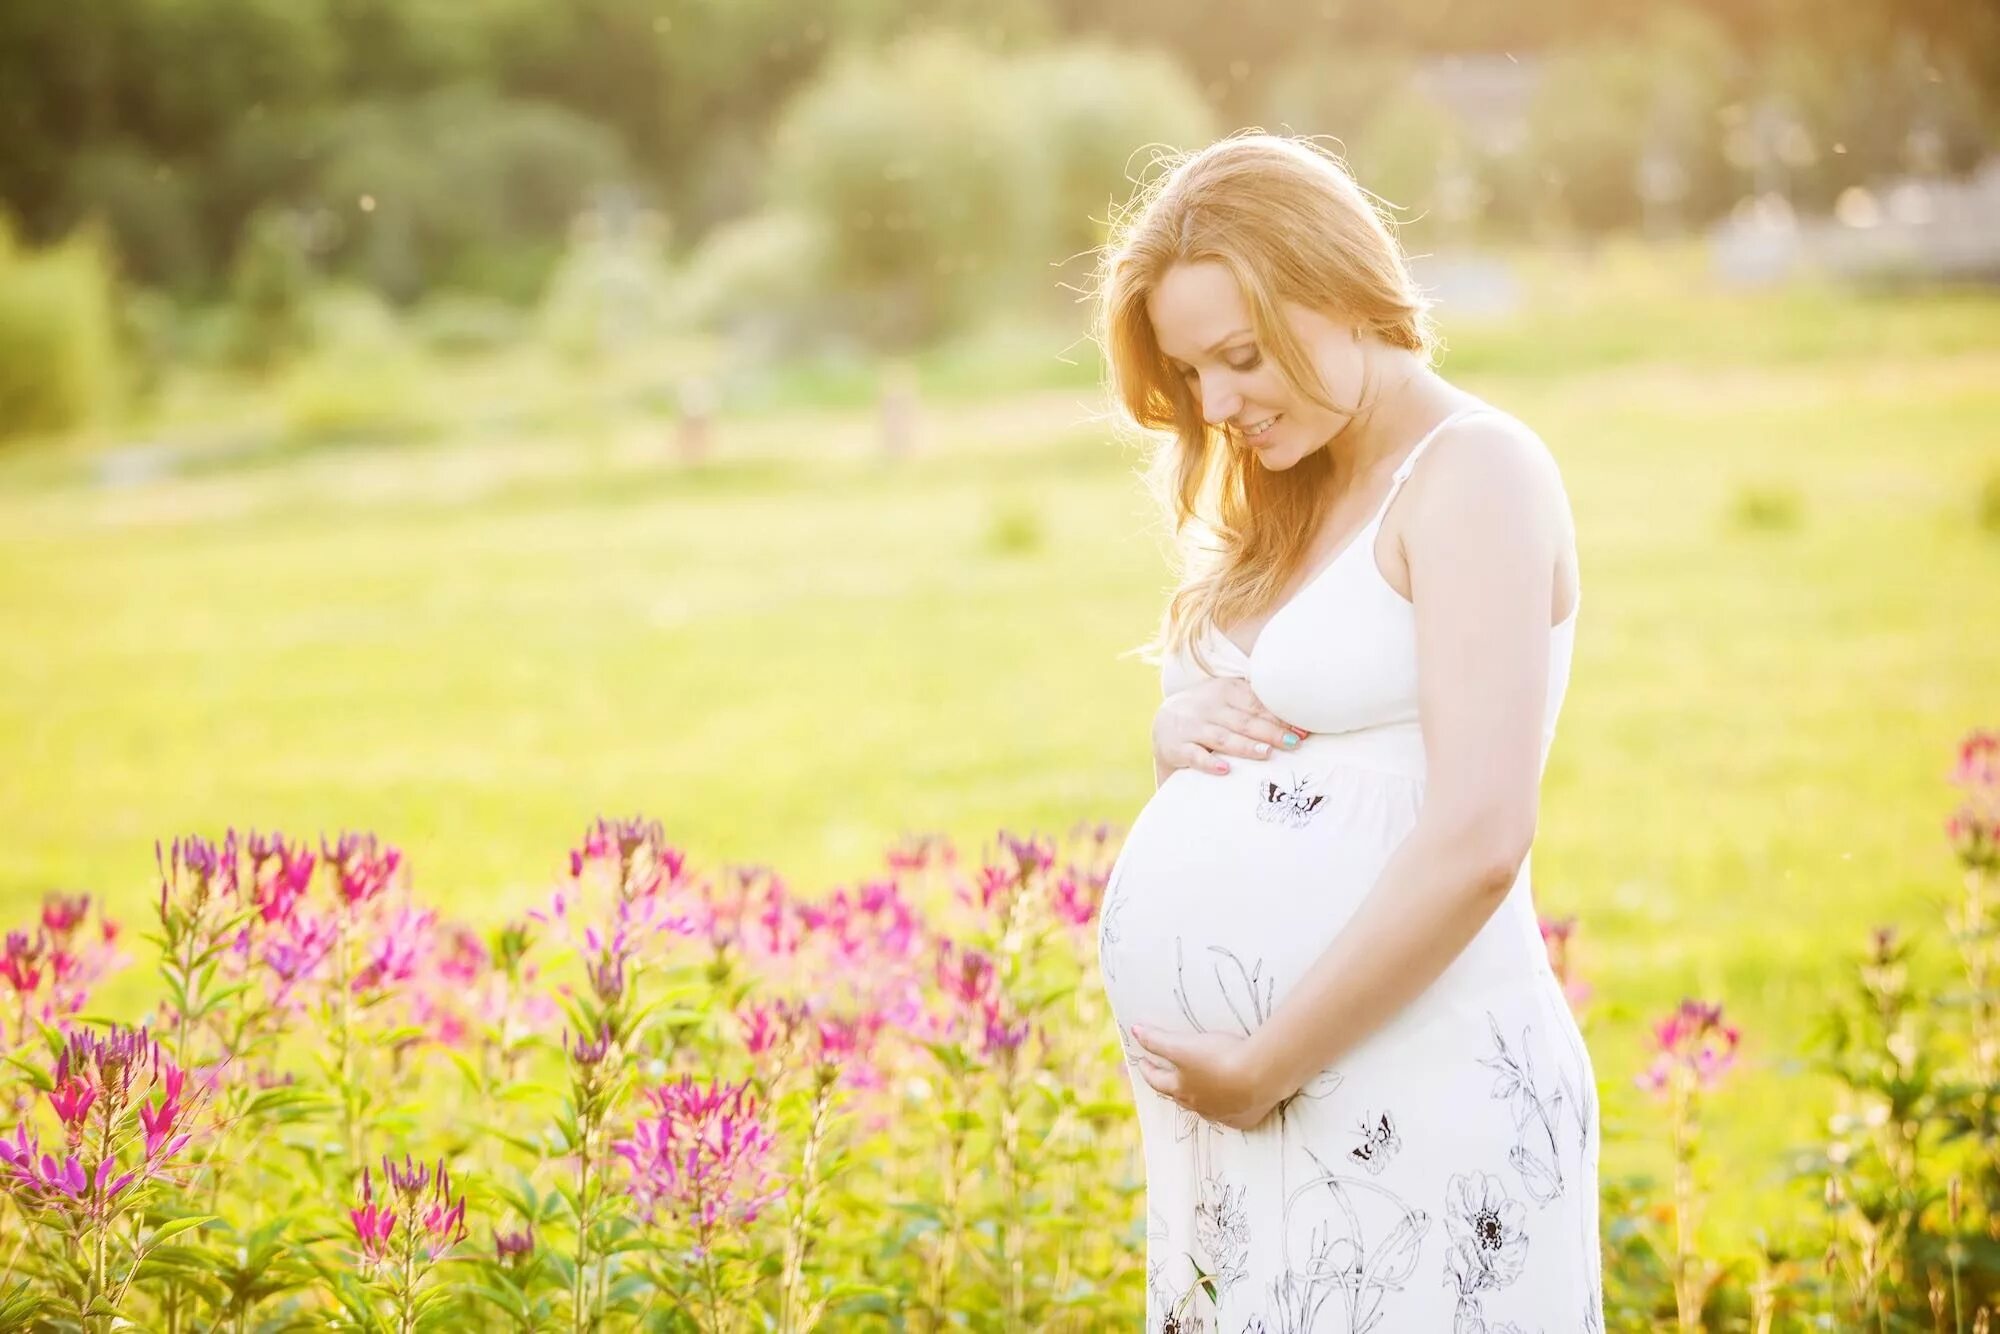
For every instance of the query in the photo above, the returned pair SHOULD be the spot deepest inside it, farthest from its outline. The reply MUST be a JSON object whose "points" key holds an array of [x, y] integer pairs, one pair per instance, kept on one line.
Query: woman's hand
{"points": [[1213, 1075], [1196, 727]]}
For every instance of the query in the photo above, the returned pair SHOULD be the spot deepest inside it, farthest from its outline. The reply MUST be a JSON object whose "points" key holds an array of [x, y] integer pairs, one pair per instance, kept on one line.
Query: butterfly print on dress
{"points": [[1379, 1143], [1291, 805]]}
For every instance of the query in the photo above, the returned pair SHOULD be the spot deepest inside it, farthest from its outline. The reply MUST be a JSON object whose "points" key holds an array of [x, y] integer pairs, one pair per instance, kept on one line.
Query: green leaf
{"points": [[179, 1225]]}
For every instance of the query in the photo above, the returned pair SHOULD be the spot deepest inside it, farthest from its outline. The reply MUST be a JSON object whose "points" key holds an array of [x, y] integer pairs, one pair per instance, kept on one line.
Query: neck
{"points": [[1409, 398]]}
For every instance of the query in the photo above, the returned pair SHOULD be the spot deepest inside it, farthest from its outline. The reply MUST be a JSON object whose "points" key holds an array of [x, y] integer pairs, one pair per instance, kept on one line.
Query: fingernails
{"points": [[1289, 740], [1263, 749], [1221, 767]]}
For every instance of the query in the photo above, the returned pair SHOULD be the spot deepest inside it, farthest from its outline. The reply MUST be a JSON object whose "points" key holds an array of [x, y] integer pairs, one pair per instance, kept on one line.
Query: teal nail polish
{"points": [[1290, 740]]}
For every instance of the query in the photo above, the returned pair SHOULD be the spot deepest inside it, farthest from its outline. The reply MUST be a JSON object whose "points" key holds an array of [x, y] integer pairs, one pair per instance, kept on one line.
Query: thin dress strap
{"points": [[1410, 460]]}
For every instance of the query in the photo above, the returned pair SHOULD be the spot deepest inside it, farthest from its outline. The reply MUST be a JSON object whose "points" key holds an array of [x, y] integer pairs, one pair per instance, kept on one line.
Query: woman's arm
{"points": [[1482, 541]]}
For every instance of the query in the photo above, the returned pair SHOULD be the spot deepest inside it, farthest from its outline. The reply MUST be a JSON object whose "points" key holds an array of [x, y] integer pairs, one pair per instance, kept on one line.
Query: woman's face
{"points": [[1203, 326]]}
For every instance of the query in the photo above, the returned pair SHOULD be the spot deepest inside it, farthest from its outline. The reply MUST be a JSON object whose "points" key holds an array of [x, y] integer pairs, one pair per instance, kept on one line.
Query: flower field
{"points": [[680, 1099]]}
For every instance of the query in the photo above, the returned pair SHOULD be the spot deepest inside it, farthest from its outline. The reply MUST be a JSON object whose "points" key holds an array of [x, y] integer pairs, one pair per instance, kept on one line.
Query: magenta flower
{"points": [[992, 885], [1032, 855], [637, 852], [1077, 898], [920, 852], [297, 949], [164, 1121], [396, 951], [363, 867], [1001, 1033], [62, 914], [702, 1157], [964, 974], [750, 914], [437, 1216], [589, 1052], [21, 962], [1974, 828], [771, 1027], [1978, 768], [1693, 1038], [71, 1098], [280, 874], [374, 1224], [514, 1248], [196, 871], [39, 1181]]}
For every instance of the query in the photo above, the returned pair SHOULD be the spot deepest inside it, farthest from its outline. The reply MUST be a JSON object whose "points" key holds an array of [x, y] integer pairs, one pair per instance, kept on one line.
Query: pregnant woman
{"points": [[1364, 1102]]}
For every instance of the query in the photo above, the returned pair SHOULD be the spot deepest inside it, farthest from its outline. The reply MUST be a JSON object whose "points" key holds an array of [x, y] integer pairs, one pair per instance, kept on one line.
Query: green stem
{"points": [[796, 1239], [579, 1300]]}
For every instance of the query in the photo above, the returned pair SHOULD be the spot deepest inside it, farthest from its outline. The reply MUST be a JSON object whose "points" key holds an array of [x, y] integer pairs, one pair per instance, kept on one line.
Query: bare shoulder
{"points": [[1489, 466]]}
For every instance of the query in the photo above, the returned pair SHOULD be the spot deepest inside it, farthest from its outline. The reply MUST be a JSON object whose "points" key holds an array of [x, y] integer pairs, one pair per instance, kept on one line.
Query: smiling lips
{"points": [[1259, 431]]}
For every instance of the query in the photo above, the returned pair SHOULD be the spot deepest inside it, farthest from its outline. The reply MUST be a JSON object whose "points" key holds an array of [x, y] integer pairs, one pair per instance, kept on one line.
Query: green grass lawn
{"points": [[793, 653]]}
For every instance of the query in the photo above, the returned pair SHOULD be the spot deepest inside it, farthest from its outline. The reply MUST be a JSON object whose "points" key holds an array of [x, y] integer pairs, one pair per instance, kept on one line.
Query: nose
{"points": [[1219, 402]]}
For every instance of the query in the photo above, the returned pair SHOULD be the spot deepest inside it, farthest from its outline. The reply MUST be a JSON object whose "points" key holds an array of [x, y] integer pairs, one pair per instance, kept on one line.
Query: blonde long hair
{"points": [[1290, 222]]}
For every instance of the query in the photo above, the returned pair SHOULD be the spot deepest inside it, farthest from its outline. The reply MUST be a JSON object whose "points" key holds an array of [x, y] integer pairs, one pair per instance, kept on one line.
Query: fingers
{"points": [[1257, 728], [1252, 736], [1197, 756], [1164, 1079], [1256, 721]]}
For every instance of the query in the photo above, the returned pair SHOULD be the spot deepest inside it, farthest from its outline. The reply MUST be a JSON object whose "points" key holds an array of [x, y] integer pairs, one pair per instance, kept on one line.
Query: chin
{"points": [[1281, 459]]}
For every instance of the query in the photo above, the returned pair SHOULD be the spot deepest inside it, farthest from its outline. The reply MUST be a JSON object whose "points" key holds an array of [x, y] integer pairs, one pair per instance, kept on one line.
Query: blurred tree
{"points": [[1100, 115], [924, 165], [270, 288], [58, 342], [146, 206]]}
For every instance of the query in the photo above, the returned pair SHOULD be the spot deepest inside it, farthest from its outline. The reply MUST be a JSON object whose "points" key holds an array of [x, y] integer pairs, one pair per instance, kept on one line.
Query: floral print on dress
{"points": [[1537, 1153], [1350, 1243], [1489, 1243], [1222, 1230]]}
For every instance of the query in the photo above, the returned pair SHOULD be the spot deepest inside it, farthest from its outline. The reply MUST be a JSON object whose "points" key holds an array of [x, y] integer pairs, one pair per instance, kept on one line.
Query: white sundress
{"points": [[1439, 1178]]}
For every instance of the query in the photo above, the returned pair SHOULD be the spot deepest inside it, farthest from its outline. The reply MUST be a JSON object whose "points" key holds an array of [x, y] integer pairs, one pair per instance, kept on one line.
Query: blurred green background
{"points": [[460, 420]]}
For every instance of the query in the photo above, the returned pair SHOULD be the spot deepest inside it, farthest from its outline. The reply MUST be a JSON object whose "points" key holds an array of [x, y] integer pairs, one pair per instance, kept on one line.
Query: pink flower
{"points": [[416, 1193], [71, 1098], [196, 871], [164, 1120], [396, 951], [363, 867], [21, 962], [918, 852], [770, 1027], [38, 1180], [513, 1248], [1077, 898], [62, 914], [374, 1224], [965, 975], [1978, 768], [1974, 828], [280, 874], [703, 1157], [1693, 1038], [1001, 1033]]}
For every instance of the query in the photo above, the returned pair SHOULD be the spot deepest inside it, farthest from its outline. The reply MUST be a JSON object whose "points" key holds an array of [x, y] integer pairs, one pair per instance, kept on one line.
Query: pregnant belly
{"points": [[1230, 885]]}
